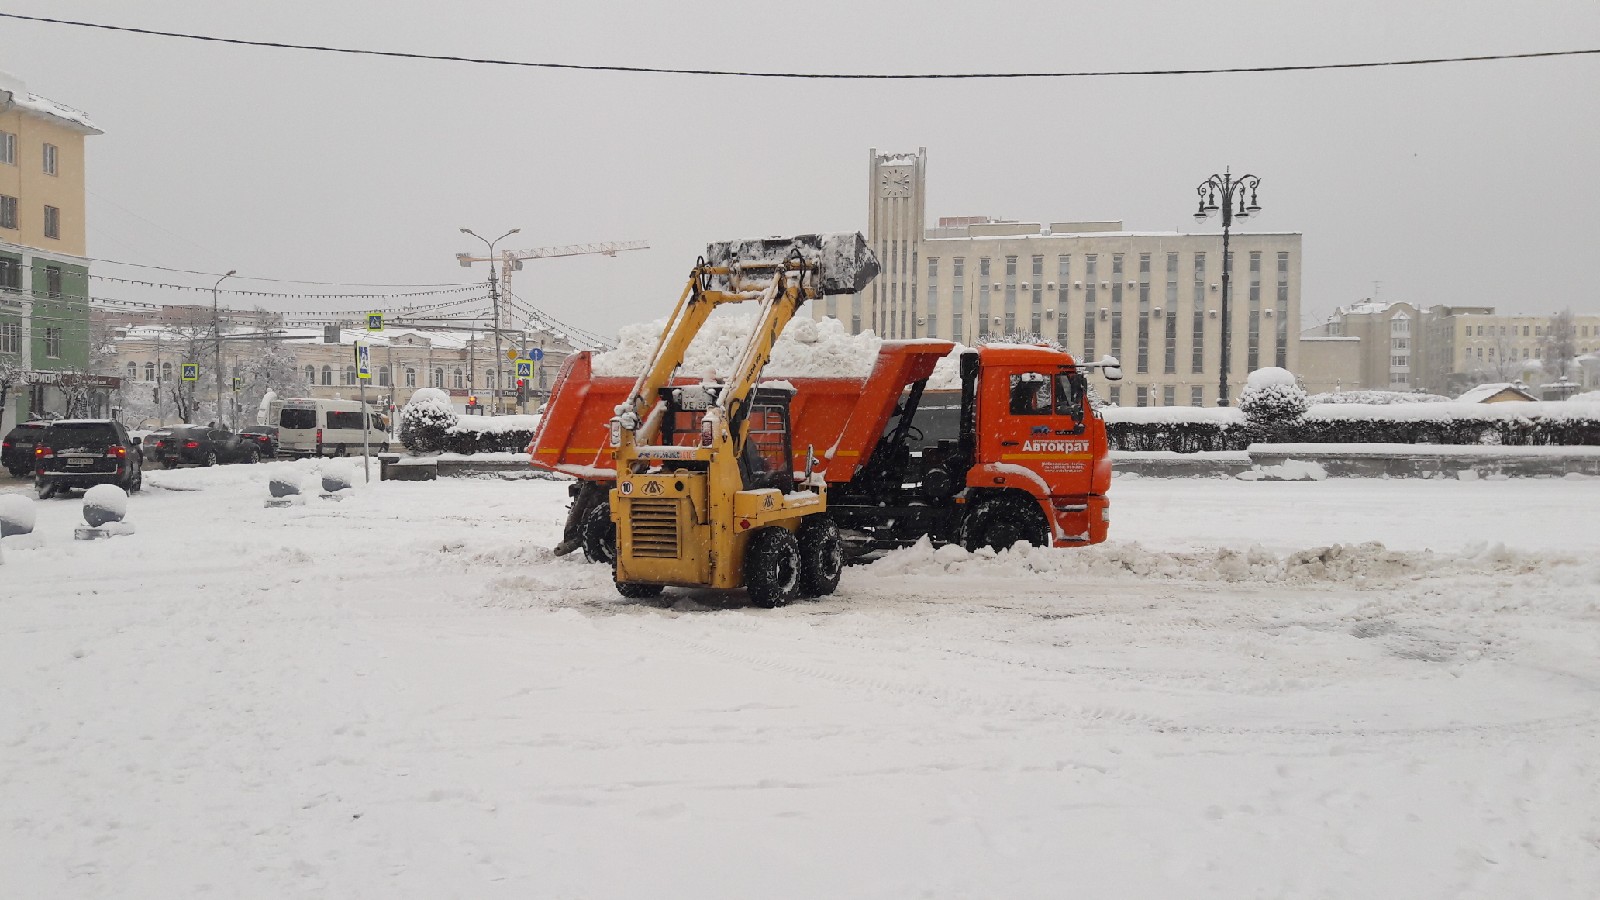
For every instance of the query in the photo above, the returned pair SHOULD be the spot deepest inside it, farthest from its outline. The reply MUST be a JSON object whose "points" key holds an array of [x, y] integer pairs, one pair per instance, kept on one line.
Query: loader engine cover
{"points": [[845, 263]]}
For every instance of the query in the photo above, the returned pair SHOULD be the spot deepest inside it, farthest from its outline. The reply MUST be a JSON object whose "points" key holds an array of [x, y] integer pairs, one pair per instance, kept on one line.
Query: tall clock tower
{"points": [[895, 217]]}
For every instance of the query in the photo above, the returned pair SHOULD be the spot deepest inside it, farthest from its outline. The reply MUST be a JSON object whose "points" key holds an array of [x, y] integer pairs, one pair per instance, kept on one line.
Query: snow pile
{"points": [[16, 514], [1272, 398], [1290, 470], [337, 475], [496, 424], [104, 503], [1270, 376], [1375, 398], [1590, 397], [1215, 415]]}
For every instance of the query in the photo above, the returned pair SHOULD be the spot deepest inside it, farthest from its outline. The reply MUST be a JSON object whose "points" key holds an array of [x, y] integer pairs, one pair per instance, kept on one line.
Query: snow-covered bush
{"points": [[1272, 401], [425, 419], [1375, 398]]}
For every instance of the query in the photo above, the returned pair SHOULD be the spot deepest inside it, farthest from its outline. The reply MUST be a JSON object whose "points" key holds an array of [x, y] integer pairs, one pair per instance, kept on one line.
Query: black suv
{"points": [[81, 453], [16, 451], [200, 445]]}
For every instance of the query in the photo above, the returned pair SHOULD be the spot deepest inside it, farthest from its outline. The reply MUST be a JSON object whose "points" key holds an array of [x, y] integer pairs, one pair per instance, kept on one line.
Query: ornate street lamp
{"points": [[1232, 192]]}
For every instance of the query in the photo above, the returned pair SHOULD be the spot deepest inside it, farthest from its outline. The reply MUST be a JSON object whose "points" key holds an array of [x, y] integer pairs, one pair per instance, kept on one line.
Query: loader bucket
{"points": [[845, 263]]}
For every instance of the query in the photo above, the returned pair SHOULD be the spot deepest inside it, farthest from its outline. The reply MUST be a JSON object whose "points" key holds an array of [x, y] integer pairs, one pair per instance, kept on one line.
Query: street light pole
{"points": [[1227, 187], [494, 299], [216, 332]]}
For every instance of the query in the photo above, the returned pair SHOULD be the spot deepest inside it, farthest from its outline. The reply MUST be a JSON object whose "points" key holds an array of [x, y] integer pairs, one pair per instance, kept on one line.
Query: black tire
{"points": [[999, 523], [46, 489], [635, 590], [137, 481], [211, 459], [821, 556], [252, 457], [340, 450], [772, 567], [599, 534]]}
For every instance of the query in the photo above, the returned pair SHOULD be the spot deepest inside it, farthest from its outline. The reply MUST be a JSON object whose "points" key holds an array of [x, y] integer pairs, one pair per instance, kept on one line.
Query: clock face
{"points": [[894, 181]]}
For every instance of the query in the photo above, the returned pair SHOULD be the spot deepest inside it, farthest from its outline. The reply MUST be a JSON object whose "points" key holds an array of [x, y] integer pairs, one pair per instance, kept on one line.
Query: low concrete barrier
{"points": [[1368, 461], [394, 467]]}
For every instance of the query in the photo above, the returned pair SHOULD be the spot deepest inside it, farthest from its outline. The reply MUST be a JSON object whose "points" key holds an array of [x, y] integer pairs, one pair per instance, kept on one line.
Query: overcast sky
{"points": [[1469, 183]]}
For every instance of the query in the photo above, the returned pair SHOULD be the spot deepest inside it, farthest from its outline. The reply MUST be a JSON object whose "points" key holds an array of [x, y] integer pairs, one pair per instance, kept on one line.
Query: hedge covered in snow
{"points": [[429, 424], [1192, 429]]}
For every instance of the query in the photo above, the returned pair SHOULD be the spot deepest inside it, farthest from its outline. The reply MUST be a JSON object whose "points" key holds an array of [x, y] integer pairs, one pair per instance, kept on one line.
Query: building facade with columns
{"points": [[1151, 299]]}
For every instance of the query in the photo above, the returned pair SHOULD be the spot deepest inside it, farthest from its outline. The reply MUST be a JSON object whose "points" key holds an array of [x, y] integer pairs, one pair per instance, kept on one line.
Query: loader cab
{"points": [[767, 459]]}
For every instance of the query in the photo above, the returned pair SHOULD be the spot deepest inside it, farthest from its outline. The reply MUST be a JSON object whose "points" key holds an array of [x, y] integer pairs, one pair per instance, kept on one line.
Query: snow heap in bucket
{"points": [[807, 348], [16, 515]]}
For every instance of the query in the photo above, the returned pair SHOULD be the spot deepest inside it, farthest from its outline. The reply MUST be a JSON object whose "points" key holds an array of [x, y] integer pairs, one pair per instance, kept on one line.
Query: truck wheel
{"points": [[634, 590], [772, 567], [599, 534], [821, 556], [1000, 523]]}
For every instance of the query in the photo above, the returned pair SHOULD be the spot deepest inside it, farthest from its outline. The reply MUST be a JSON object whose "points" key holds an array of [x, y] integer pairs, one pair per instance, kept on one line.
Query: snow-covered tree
{"points": [[425, 419], [1272, 400], [1558, 348]]}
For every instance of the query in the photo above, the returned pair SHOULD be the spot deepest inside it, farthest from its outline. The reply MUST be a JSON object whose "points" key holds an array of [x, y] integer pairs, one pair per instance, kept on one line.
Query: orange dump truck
{"points": [[1017, 454]]}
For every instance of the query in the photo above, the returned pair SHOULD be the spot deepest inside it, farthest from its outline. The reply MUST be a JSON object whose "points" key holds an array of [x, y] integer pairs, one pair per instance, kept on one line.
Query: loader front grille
{"points": [[654, 525]]}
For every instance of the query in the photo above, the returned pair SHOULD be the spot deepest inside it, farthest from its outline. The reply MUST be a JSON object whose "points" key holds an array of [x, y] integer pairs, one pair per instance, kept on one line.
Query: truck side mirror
{"points": [[1110, 367], [811, 460]]}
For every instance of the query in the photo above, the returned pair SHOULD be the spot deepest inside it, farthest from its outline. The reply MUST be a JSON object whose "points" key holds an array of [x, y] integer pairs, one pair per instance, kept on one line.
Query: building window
{"points": [[1011, 294], [1143, 363], [8, 211], [149, 371], [383, 376], [311, 375], [327, 375], [984, 321], [1090, 303], [958, 298], [52, 281], [52, 343], [10, 337], [51, 158], [1196, 395], [10, 274], [1036, 319], [166, 371], [1253, 347], [1141, 396], [8, 148], [411, 377], [438, 378], [1063, 272], [133, 371], [349, 374], [1116, 306], [52, 222], [457, 380], [1169, 395], [1116, 395], [1281, 344], [932, 307]]}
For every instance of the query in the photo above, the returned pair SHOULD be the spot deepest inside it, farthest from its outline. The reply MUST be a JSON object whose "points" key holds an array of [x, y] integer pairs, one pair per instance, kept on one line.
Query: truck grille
{"points": [[654, 526]]}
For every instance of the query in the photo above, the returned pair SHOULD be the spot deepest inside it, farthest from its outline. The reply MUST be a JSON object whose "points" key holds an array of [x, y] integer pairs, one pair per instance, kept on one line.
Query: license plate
{"points": [[79, 462]]}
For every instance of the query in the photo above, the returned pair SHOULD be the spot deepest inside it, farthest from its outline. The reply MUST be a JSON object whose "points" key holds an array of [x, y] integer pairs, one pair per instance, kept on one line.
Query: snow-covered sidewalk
{"points": [[405, 695]]}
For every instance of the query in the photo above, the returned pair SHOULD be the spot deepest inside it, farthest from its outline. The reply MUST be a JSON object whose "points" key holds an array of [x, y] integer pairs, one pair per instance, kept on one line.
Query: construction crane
{"points": [[511, 261]]}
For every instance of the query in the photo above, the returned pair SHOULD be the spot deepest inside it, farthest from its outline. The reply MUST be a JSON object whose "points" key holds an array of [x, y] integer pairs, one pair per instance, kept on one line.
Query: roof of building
{"points": [[13, 90], [1484, 393]]}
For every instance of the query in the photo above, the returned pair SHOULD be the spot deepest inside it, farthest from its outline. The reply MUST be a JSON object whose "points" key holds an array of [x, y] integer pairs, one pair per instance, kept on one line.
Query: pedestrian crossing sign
{"points": [[374, 321], [191, 371], [524, 368], [363, 362]]}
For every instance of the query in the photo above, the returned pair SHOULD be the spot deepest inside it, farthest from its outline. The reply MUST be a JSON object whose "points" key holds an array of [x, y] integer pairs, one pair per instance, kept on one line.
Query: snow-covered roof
{"points": [[16, 92], [1364, 308], [1033, 236], [1483, 392]]}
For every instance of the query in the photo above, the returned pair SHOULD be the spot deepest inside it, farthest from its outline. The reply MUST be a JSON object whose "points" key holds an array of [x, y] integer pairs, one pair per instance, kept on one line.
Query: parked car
{"points": [[201, 445], [81, 453], [16, 451], [265, 436]]}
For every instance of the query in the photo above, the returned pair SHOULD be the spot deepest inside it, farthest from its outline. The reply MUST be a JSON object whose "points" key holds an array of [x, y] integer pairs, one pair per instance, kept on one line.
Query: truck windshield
{"points": [[298, 418]]}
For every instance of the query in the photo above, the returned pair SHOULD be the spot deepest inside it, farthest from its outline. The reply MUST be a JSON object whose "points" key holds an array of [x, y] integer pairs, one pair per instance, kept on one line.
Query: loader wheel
{"points": [[1000, 523], [634, 590], [599, 534], [772, 567], [821, 556]]}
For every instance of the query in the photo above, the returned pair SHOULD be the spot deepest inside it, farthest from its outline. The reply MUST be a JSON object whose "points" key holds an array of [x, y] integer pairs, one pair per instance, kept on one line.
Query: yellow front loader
{"points": [[707, 493]]}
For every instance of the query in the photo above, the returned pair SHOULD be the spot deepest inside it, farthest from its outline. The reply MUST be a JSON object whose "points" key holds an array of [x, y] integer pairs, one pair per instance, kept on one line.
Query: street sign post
{"points": [[536, 354], [364, 375]]}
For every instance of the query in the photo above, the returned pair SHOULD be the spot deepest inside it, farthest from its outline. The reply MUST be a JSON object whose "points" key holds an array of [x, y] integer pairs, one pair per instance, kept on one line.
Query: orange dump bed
{"points": [[840, 418]]}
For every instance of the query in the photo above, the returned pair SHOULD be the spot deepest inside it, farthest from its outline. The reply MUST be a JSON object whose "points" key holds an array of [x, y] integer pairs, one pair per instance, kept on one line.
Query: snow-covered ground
{"points": [[404, 695]]}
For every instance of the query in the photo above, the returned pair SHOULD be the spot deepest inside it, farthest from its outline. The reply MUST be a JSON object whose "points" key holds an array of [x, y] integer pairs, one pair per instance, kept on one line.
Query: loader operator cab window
{"points": [[766, 459]]}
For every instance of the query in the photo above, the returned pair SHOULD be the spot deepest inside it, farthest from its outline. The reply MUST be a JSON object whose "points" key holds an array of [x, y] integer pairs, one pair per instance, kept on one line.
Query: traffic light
{"points": [[522, 390]]}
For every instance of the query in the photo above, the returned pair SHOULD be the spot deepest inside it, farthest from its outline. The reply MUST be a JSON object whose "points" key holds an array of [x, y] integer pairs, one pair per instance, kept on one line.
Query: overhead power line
{"points": [[118, 262], [823, 76]]}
